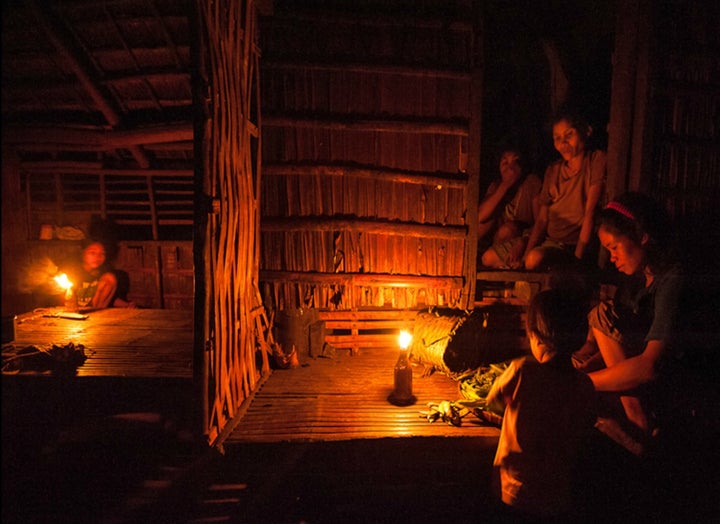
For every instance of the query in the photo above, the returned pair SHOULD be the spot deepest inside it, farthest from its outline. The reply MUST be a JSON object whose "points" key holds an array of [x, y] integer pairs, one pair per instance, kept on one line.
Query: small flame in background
{"points": [[63, 281], [404, 339]]}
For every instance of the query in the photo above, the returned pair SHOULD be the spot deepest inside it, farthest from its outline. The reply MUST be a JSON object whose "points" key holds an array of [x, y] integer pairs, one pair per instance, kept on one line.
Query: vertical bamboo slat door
{"points": [[230, 176]]}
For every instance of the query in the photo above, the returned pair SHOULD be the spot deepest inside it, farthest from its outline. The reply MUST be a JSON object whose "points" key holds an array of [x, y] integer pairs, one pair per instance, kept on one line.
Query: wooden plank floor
{"points": [[118, 342], [345, 398]]}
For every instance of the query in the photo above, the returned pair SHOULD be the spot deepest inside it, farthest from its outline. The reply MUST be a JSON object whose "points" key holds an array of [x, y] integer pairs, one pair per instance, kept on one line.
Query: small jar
{"points": [[71, 301]]}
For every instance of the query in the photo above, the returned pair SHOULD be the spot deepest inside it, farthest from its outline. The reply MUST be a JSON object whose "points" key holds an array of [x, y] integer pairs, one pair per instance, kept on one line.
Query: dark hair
{"points": [[511, 142], [576, 121], [558, 320], [522, 156], [104, 231], [633, 215]]}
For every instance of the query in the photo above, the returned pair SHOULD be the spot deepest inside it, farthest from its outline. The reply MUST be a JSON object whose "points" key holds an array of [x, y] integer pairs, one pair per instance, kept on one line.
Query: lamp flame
{"points": [[63, 281], [404, 339]]}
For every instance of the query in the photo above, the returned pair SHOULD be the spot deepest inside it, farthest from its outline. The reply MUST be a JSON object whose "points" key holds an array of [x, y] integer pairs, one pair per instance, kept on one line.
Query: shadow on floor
{"points": [[146, 472], [142, 467]]}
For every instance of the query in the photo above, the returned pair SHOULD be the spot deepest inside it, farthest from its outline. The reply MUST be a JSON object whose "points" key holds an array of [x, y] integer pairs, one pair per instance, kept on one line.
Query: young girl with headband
{"points": [[636, 335]]}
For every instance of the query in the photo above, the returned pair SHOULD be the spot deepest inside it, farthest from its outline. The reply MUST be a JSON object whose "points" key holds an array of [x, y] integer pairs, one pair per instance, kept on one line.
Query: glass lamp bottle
{"points": [[71, 300], [402, 394]]}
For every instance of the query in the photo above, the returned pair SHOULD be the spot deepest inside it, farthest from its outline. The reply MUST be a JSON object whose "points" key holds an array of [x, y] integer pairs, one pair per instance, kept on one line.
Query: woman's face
{"points": [[93, 256], [567, 140], [627, 255]]}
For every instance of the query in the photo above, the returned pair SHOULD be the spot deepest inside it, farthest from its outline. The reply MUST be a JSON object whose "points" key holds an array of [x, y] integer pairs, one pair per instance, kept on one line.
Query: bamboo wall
{"points": [[367, 131], [684, 167], [155, 210]]}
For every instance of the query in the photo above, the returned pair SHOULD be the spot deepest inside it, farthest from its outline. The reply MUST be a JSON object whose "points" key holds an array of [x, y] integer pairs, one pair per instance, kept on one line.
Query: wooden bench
{"points": [[519, 286], [366, 328]]}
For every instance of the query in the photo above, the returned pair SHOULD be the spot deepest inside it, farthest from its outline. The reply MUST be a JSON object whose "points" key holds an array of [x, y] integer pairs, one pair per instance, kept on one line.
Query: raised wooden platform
{"points": [[118, 342], [346, 397], [138, 360]]}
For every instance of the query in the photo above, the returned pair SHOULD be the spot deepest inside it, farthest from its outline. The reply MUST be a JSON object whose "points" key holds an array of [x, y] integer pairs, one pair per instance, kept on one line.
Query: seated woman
{"points": [[572, 188], [95, 284], [508, 209], [637, 332]]}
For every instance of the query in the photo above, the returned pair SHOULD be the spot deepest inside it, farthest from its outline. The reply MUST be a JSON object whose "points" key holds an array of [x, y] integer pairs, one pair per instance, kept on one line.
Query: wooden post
{"points": [[473, 167]]}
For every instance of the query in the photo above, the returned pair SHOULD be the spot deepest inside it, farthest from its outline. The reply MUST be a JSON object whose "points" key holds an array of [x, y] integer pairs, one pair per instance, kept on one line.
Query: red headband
{"points": [[617, 206]]}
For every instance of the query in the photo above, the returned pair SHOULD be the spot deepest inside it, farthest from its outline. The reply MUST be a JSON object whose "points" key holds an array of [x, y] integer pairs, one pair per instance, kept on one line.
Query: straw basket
{"points": [[453, 341]]}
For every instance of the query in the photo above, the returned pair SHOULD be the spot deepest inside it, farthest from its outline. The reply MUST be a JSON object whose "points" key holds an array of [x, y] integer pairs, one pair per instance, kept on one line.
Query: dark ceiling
{"points": [[109, 82], [104, 81]]}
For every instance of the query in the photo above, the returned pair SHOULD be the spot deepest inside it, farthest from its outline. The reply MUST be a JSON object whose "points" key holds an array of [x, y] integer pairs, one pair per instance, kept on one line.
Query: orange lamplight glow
{"points": [[63, 281], [404, 339]]}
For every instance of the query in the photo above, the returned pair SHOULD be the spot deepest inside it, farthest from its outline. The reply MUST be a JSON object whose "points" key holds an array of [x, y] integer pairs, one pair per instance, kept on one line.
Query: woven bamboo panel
{"points": [[365, 144]]}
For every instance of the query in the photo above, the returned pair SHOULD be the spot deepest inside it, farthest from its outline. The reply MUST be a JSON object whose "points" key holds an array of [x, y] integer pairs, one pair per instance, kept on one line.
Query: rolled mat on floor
{"points": [[454, 341]]}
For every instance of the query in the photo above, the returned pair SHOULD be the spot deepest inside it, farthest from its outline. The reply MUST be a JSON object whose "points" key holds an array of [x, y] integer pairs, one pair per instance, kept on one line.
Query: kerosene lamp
{"points": [[71, 303], [402, 394]]}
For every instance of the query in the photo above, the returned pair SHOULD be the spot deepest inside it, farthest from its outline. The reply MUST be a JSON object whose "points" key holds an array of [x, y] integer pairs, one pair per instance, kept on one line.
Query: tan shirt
{"points": [[566, 195]]}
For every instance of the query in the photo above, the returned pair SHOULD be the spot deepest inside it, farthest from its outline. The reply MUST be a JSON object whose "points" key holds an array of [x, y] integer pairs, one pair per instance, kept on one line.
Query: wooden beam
{"points": [[96, 168], [92, 139], [64, 49], [363, 279], [346, 67], [348, 123], [372, 173], [362, 225], [329, 16]]}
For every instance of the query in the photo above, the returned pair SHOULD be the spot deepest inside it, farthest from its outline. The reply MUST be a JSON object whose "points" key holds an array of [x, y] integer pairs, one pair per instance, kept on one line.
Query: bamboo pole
{"points": [[363, 225], [362, 279], [438, 127]]}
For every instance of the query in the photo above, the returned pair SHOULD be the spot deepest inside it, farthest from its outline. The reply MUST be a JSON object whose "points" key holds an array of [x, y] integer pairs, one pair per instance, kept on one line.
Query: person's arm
{"points": [[632, 372], [627, 373], [107, 285], [539, 229], [494, 196], [536, 206], [588, 223], [496, 397], [517, 251]]}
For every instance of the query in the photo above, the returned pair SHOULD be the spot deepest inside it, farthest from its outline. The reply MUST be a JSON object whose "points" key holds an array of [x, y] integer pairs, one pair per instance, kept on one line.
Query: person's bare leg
{"points": [[107, 286], [534, 259], [505, 232], [612, 353], [490, 259]]}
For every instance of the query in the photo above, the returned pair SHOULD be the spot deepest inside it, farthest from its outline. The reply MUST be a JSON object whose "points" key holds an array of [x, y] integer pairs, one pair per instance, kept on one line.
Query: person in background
{"points": [[508, 210], [638, 331], [95, 284], [572, 189], [548, 412]]}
